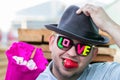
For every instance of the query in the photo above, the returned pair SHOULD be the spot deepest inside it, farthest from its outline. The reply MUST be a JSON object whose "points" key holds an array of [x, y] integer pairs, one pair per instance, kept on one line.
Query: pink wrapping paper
{"points": [[21, 72]]}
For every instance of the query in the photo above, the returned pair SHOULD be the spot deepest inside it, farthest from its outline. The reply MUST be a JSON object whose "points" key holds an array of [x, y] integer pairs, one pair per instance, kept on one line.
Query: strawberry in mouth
{"points": [[68, 63]]}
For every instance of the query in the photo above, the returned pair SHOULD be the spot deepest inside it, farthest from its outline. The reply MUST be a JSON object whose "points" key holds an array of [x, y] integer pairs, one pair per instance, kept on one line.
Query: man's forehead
{"points": [[74, 40]]}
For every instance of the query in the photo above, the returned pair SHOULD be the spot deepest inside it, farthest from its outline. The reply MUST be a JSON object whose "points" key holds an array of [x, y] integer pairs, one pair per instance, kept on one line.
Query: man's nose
{"points": [[72, 51]]}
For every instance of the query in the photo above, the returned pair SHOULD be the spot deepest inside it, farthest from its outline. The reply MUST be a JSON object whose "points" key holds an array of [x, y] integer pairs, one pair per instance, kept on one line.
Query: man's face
{"points": [[64, 48]]}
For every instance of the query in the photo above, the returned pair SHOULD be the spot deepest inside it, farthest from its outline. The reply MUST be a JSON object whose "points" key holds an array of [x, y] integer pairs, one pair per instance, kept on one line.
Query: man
{"points": [[73, 46]]}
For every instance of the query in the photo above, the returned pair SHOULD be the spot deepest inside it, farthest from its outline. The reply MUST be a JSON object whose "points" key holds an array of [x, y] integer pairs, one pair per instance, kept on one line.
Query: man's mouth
{"points": [[69, 64]]}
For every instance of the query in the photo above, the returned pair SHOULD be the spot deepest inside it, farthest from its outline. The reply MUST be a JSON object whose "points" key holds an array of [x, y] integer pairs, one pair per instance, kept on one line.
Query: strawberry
{"points": [[68, 63]]}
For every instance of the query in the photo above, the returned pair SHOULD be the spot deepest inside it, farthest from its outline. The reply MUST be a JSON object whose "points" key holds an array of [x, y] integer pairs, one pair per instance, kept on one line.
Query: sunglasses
{"points": [[65, 43]]}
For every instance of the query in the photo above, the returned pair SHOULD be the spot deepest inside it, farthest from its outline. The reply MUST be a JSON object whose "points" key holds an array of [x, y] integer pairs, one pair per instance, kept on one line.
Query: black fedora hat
{"points": [[79, 27]]}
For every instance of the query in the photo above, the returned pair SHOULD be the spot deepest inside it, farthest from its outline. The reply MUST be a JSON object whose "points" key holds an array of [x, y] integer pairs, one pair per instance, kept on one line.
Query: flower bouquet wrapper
{"points": [[25, 62]]}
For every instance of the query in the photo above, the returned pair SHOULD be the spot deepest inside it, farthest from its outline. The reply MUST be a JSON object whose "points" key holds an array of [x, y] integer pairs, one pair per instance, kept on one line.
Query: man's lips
{"points": [[68, 63]]}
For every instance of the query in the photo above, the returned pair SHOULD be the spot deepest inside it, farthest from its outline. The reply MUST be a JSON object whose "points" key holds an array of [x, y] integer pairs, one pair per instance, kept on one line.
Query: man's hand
{"points": [[98, 15], [102, 20]]}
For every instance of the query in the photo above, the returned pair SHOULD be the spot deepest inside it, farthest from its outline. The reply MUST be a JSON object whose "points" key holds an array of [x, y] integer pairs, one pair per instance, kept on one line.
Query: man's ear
{"points": [[51, 41], [95, 51]]}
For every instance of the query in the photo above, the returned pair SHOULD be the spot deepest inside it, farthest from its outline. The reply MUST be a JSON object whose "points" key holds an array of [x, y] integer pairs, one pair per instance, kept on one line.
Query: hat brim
{"points": [[53, 27]]}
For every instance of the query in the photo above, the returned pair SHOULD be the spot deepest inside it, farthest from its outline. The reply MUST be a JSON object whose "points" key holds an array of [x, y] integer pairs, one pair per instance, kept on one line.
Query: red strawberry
{"points": [[68, 63]]}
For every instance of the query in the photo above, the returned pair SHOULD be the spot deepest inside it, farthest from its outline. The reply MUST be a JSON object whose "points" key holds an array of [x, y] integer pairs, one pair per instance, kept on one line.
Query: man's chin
{"points": [[70, 76], [66, 73], [69, 73]]}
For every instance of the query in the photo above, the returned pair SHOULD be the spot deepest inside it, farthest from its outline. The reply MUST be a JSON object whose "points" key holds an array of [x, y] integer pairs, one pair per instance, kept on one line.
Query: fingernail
{"points": [[77, 12]]}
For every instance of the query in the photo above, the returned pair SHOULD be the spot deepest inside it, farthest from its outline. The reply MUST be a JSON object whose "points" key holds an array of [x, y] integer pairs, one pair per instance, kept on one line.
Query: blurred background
{"points": [[34, 14]]}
